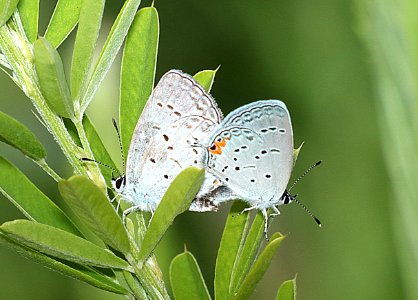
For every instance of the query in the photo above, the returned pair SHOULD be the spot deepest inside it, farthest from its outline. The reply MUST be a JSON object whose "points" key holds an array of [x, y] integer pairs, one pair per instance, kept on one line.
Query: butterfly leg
{"points": [[128, 211], [266, 222], [245, 210], [275, 213], [152, 214]]}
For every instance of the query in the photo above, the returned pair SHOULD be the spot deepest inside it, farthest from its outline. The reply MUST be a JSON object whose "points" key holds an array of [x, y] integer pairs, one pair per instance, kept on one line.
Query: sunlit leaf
{"points": [[29, 13], [52, 79], [61, 244], [85, 42], [7, 7], [231, 242], [248, 252], [63, 21], [94, 209], [259, 268], [110, 50], [186, 279], [205, 78], [176, 200], [69, 269], [138, 70], [287, 290], [20, 137], [34, 204]]}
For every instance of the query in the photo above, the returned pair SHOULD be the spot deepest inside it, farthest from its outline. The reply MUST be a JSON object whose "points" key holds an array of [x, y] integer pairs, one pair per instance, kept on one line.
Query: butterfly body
{"points": [[178, 114]]}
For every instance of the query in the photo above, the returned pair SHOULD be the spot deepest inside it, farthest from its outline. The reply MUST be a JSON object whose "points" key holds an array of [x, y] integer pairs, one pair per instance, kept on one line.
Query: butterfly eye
{"points": [[119, 182]]}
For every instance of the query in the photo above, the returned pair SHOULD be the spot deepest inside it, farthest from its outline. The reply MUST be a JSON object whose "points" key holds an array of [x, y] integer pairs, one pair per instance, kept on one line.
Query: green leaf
{"points": [[287, 290], [94, 209], [85, 42], [296, 153], [29, 13], [61, 244], [7, 7], [231, 242], [17, 135], [259, 268], [72, 270], [248, 252], [134, 285], [99, 150], [186, 279], [63, 21], [138, 70], [176, 200], [110, 50], [205, 78], [51, 78], [35, 205]]}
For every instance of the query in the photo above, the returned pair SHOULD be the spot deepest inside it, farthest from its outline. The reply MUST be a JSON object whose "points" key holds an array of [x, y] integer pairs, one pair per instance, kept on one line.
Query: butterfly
{"points": [[178, 114], [252, 155]]}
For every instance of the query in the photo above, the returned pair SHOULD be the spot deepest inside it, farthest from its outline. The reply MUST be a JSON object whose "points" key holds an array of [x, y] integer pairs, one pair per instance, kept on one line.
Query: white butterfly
{"points": [[178, 115]]}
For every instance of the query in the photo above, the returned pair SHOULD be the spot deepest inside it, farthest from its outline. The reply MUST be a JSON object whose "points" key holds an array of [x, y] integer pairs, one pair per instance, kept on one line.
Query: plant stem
{"points": [[42, 163]]}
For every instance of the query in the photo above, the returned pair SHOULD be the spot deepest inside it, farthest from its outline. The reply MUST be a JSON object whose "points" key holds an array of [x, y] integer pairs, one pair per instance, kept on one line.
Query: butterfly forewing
{"points": [[179, 113], [253, 152]]}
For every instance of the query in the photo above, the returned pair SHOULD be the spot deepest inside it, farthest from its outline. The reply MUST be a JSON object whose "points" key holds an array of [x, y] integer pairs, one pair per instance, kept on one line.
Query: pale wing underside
{"points": [[178, 111], [257, 160]]}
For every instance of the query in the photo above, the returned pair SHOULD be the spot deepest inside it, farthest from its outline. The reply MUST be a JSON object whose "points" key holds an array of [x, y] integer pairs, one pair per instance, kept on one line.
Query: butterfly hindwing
{"points": [[252, 153]]}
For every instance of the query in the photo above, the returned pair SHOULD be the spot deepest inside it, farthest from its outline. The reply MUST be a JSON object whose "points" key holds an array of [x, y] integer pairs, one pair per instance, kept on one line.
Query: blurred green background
{"points": [[306, 53]]}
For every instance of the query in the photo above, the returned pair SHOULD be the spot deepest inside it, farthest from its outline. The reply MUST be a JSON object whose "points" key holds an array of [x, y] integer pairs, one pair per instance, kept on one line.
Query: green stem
{"points": [[19, 54], [42, 163]]}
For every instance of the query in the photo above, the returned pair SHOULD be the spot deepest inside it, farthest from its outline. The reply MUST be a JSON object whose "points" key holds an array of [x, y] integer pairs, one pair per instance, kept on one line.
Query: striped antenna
{"points": [[100, 163], [120, 143], [304, 174]]}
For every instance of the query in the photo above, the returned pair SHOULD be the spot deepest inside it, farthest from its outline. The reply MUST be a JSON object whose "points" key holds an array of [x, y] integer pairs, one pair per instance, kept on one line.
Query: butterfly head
{"points": [[119, 183]]}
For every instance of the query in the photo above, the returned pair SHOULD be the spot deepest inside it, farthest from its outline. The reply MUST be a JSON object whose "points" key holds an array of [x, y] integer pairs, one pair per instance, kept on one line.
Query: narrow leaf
{"points": [[63, 21], [138, 70], [287, 290], [7, 7], [296, 153], [110, 50], [206, 78], [72, 270], [34, 204], [186, 279], [85, 42], [259, 268], [248, 252], [94, 209], [20, 137], [176, 200], [29, 13], [231, 243], [51, 78], [61, 244], [99, 150]]}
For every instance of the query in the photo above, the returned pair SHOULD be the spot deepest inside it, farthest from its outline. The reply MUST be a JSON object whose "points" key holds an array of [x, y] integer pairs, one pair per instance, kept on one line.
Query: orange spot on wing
{"points": [[216, 148]]}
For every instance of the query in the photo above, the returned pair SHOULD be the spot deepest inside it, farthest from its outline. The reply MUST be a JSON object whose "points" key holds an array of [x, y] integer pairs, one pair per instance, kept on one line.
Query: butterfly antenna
{"points": [[100, 163], [120, 143], [308, 211], [304, 174]]}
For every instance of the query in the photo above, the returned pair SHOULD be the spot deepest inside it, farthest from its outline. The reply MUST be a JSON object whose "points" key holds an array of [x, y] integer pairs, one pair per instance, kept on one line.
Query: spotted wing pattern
{"points": [[252, 152], [178, 114]]}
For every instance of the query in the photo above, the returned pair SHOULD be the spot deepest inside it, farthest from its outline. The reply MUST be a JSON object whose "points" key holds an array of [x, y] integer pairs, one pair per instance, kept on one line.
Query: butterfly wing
{"points": [[179, 110], [252, 153]]}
